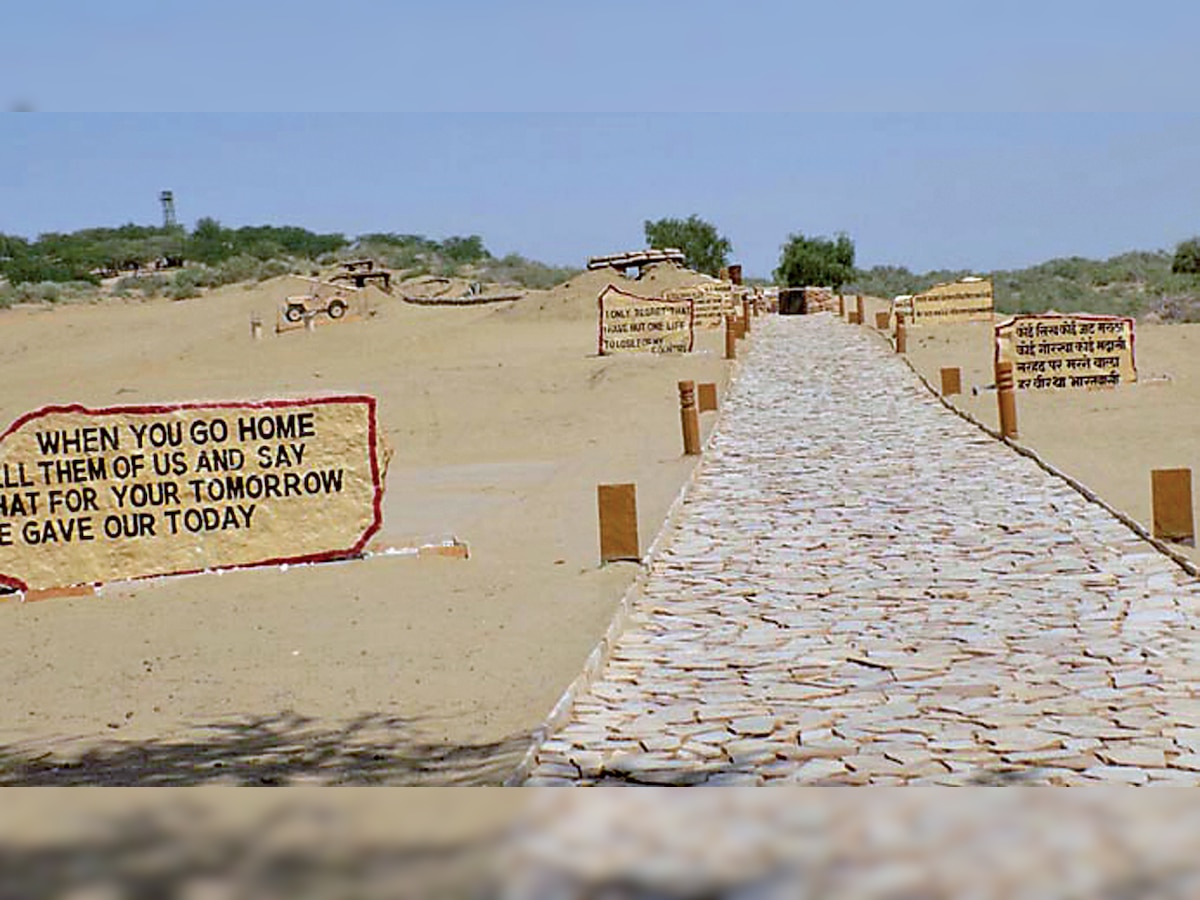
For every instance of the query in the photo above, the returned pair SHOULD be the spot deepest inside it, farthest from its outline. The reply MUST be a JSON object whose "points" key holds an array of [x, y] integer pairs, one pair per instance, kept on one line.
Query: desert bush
{"points": [[149, 285], [187, 283], [1187, 257], [237, 268], [273, 268], [516, 269], [1128, 284]]}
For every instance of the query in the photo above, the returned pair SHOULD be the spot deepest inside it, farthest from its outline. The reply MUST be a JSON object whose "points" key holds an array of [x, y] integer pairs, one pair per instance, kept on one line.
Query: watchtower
{"points": [[167, 199]]}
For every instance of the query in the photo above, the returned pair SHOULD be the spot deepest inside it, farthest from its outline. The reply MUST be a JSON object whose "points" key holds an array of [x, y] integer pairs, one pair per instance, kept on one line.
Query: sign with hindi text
{"points": [[632, 324], [959, 301], [95, 495], [710, 303], [1055, 351]]}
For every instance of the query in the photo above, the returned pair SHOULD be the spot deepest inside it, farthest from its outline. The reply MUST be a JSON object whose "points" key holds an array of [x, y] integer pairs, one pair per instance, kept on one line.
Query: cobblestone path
{"points": [[863, 588]]}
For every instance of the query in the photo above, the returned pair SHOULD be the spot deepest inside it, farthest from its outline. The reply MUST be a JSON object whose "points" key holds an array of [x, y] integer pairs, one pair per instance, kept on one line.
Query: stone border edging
{"points": [[596, 660], [1082, 489]]}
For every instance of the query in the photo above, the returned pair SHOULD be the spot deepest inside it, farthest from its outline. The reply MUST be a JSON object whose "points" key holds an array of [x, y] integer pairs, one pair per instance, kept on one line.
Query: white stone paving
{"points": [[863, 588]]}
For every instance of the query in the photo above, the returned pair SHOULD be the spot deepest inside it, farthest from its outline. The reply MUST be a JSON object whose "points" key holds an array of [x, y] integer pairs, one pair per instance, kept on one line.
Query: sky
{"points": [[937, 134]]}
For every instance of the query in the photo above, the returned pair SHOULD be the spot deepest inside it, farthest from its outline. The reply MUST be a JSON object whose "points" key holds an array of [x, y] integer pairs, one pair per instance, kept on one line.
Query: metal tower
{"points": [[168, 204]]}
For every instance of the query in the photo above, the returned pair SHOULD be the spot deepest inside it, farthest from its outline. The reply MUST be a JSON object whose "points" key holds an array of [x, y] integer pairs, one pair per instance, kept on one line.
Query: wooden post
{"points": [[746, 314], [256, 328], [951, 381], [1006, 399], [1171, 500], [881, 319], [617, 504], [689, 418], [730, 338], [860, 309], [901, 334], [706, 396], [841, 305]]}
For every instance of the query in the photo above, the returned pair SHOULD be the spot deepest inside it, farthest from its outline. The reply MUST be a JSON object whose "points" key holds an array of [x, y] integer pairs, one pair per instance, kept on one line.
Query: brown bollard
{"points": [[951, 381], [1171, 501], [901, 334], [256, 328], [860, 310], [706, 396], [617, 504], [881, 319], [746, 314], [841, 306], [689, 418], [1006, 398], [730, 338]]}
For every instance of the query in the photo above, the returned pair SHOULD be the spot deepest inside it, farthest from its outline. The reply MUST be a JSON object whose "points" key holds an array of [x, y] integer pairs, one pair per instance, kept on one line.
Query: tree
{"points": [[461, 250], [703, 248], [209, 243], [816, 261], [1187, 258]]}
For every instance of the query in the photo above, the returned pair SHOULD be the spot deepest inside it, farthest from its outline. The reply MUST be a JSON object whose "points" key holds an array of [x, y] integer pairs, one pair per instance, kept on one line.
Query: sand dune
{"points": [[502, 420]]}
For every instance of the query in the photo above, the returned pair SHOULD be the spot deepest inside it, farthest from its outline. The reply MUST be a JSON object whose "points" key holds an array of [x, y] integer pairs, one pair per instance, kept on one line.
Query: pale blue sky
{"points": [[824, 126], [615, 55], [973, 191]]}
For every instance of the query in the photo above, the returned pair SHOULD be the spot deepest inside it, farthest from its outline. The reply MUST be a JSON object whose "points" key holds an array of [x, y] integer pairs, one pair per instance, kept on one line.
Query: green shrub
{"points": [[1187, 257], [149, 285], [238, 268], [187, 283], [273, 268], [516, 269]]}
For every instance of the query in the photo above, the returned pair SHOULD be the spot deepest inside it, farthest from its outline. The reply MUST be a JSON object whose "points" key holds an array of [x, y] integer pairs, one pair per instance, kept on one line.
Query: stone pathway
{"points": [[862, 588]]}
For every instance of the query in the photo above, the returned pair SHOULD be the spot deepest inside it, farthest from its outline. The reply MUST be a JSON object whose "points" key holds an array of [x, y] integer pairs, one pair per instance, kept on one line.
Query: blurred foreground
{"points": [[492, 843]]}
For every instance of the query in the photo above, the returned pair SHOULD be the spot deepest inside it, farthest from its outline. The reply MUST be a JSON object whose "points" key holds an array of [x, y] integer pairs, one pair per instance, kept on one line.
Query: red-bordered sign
{"points": [[346, 552]]}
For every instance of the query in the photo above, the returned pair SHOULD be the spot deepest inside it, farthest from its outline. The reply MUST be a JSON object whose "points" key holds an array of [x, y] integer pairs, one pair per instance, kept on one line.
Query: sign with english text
{"points": [[632, 324], [95, 495]]}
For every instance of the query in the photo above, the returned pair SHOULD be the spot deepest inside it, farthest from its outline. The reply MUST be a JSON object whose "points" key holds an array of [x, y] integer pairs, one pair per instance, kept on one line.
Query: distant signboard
{"points": [[632, 324], [95, 495], [959, 301], [710, 305], [1052, 352]]}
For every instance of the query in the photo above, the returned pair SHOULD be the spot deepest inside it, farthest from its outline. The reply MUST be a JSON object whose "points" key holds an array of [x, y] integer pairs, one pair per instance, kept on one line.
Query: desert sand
{"points": [[389, 669], [1109, 439], [502, 419]]}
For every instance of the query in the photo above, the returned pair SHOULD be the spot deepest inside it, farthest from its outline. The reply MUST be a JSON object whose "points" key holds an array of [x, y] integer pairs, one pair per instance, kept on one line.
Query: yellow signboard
{"points": [[710, 303], [959, 301], [632, 324], [1054, 351], [95, 495]]}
